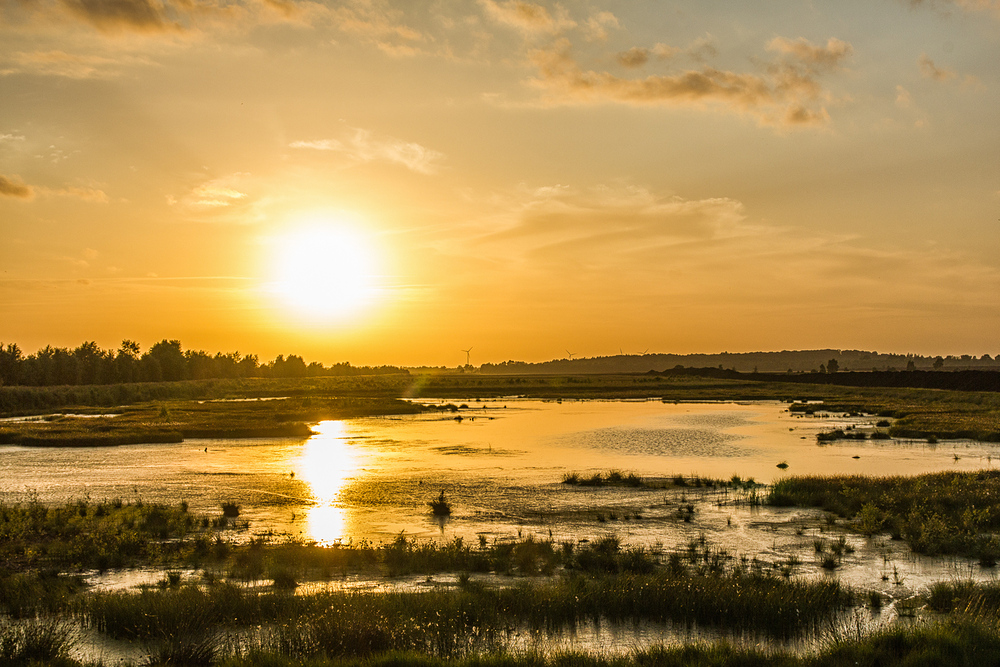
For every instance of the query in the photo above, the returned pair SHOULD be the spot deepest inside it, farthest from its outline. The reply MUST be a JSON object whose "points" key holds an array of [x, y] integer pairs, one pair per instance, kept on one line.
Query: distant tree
{"points": [[89, 364], [938, 363], [10, 364], [910, 366], [822, 368], [127, 362], [832, 366], [168, 356]]}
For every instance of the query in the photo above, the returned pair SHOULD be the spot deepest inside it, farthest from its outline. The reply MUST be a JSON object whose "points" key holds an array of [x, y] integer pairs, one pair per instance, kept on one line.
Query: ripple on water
{"points": [[661, 442]]}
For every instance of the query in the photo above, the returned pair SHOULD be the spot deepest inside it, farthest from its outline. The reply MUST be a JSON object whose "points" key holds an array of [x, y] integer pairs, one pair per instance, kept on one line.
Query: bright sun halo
{"points": [[324, 271]]}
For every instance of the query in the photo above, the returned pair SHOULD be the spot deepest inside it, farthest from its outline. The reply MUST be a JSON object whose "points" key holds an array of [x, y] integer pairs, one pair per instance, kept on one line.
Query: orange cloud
{"points": [[821, 57], [532, 18], [112, 15], [787, 95], [16, 189]]}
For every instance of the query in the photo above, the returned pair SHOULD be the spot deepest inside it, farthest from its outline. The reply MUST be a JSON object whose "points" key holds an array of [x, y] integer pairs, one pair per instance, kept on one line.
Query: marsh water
{"points": [[501, 464]]}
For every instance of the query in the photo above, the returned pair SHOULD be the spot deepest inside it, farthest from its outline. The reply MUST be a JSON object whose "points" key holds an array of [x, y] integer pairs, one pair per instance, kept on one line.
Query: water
{"points": [[501, 467]]}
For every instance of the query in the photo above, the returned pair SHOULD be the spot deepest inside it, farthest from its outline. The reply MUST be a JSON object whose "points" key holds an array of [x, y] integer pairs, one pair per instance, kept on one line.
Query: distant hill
{"points": [[795, 361]]}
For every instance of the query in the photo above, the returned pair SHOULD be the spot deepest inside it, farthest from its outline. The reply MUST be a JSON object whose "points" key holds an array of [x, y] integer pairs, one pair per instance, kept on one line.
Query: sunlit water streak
{"points": [[328, 461]]}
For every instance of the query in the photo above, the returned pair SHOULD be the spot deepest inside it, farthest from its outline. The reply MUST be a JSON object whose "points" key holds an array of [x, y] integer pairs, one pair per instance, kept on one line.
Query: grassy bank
{"points": [[176, 420]]}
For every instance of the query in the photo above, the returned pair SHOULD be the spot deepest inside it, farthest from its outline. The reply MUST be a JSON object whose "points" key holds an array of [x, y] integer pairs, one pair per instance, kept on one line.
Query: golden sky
{"points": [[395, 181]]}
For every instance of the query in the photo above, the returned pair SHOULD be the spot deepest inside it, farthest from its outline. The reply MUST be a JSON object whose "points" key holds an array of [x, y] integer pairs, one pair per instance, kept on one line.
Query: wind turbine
{"points": [[467, 356], [571, 354]]}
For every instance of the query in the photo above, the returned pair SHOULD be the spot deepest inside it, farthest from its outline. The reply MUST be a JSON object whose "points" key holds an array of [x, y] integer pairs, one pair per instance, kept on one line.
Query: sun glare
{"points": [[325, 271], [326, 463]]}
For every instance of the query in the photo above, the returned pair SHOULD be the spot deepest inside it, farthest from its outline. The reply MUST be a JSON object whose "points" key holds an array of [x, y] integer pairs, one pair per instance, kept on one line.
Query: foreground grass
{"points": [[443, 620], [955, 643], [937, 513]]}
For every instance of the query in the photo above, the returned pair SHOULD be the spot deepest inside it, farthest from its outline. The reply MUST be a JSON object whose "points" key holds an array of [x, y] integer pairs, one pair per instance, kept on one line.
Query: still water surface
{"points": [[500, 465]]}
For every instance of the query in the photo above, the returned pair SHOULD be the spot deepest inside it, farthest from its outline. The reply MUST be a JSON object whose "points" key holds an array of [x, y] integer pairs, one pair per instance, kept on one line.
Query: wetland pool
{"points": [[501, 466]]}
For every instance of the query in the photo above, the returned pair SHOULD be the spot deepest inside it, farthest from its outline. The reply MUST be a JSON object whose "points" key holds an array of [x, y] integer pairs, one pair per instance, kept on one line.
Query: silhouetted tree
{"points": [[10, 364], [832, 366], [169, 358]]}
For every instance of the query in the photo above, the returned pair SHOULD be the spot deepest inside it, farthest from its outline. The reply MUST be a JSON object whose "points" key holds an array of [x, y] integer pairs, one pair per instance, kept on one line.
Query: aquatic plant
{"points": [[440, 506]]}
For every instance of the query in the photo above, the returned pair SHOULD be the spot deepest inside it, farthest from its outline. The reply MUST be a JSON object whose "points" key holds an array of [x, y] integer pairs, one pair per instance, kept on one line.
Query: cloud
{"points": [[16, 189], [60, 63], [319, 145], [634, 57], [91, 195], [10, 138], [113, 15], [827, 57], [383, 25], [787, 94], [597, 26], [363, 146], [638, 56], [931, 71], [903, 98], [164, 17], [964, 5], [217, 193], [603, 223], [531, 18]]}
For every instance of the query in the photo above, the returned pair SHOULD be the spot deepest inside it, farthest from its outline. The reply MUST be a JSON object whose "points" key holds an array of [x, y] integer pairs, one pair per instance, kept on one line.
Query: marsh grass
{"points": [[610, 478], [937, 513], [98, 535], [439, 620], [34, 641]]}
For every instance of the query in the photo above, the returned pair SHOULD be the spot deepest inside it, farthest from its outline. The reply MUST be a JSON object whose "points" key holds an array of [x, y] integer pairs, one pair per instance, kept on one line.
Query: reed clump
{"points": [[610, 478]]}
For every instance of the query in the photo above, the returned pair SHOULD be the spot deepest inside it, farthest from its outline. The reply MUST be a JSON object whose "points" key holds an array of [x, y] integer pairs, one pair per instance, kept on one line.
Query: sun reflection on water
{"points": [[327, 462]]}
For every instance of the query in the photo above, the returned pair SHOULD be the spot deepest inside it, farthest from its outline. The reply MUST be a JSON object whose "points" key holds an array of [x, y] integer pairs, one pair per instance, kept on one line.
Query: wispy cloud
{"points": [[529, 17], [699, 50], [364, 146], [60, 63], [15, 188], [92, 195], [217, 193], [598, 25], [787, 93], [112, 15], [931, 71], [964, 5], [163, 17]]}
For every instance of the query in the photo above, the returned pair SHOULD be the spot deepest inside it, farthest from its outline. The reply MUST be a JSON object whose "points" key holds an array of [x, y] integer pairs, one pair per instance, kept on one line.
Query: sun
{"points": [[325, 270]]}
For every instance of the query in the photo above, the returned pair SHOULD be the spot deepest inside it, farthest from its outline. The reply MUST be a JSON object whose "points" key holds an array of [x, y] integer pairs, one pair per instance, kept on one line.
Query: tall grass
{"points": [[35, 641], [473, 613]]}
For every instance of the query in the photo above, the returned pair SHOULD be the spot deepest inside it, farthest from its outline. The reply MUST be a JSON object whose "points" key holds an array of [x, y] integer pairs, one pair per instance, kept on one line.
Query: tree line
{"points": [[165, 361]]}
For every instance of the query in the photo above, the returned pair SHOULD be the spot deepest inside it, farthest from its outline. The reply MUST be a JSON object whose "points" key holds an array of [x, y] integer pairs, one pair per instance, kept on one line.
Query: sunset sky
{"points": [[395, 181]]}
